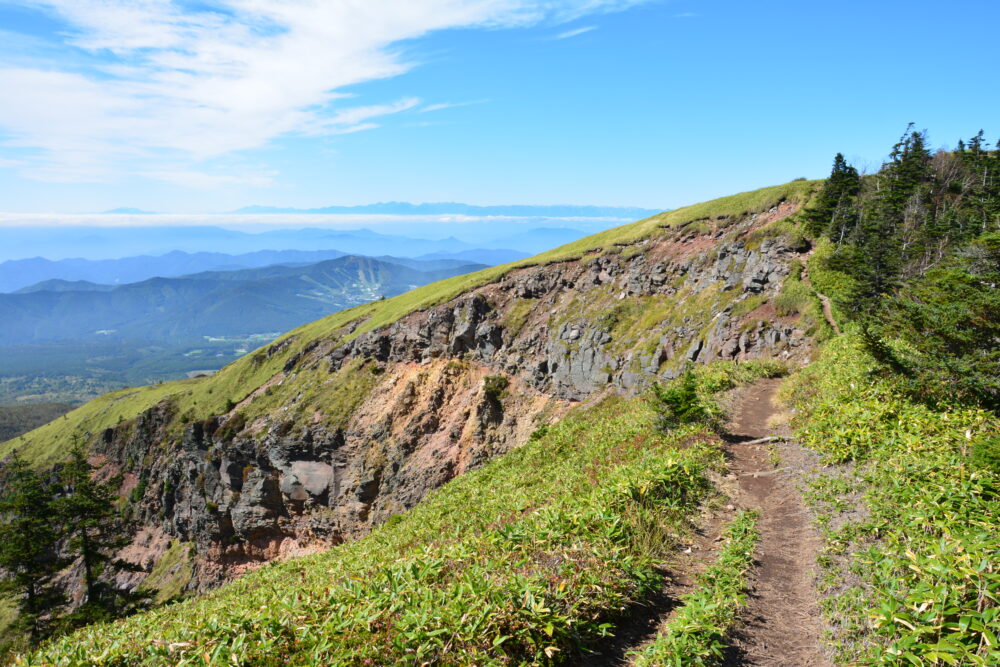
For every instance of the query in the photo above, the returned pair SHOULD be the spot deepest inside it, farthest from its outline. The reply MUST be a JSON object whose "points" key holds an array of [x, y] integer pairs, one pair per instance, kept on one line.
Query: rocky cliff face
{"points": [[438, 392]]}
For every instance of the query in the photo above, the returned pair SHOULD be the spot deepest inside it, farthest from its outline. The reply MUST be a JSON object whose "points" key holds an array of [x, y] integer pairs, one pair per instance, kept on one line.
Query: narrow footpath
{"points": [[824, 300], [781, 626]]}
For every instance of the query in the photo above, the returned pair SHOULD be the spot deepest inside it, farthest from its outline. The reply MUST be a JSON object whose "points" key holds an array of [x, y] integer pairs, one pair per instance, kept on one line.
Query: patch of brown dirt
{"points": [[683, 248], [768, 313]]}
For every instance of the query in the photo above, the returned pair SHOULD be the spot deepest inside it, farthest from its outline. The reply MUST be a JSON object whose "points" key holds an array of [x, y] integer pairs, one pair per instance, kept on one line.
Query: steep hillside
{"points": [[339, 425]]}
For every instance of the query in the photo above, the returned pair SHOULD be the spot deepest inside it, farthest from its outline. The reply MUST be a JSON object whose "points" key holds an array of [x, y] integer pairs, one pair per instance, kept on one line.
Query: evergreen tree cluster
{"points": [[921, 241], [50, 521]]}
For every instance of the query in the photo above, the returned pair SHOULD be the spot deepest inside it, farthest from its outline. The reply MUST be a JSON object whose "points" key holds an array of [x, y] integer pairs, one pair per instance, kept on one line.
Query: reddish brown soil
{"points": [[781, 625], [768, 313]]}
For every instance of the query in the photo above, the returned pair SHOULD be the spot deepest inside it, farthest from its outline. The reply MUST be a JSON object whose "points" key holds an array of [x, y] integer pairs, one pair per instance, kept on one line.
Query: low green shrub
{"points": [[679, 403], [138, 491], [495, 386]]}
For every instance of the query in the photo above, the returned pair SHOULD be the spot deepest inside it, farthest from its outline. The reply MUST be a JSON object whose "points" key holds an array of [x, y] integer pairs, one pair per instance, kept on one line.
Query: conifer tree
{"points": [[28, 541], [834, 213], [890, 228], [89, 508]]}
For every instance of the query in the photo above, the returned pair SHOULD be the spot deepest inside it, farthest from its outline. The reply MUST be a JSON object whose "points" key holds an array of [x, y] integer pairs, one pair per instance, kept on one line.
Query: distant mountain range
{"points": [[216, 303], [20, 273], [37, 274], [125, 210], [445, 208], [100, 243], [479, 256]]}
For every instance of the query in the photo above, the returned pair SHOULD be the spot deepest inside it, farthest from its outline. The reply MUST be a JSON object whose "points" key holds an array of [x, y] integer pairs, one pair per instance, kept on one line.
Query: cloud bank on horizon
{"points": [[155, 87]]}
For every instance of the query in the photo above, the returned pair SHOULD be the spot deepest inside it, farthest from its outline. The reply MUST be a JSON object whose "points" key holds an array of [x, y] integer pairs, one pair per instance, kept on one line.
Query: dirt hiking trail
{"points": [[824, 300], [781, 625]]}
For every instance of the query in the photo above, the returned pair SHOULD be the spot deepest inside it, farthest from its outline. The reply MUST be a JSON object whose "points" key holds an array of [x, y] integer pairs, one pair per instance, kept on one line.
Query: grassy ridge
{"points": [[204, 397], [913, 522]]}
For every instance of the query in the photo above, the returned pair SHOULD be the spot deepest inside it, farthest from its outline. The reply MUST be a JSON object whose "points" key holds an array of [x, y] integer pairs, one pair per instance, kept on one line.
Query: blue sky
{"points": [[203, 106]]}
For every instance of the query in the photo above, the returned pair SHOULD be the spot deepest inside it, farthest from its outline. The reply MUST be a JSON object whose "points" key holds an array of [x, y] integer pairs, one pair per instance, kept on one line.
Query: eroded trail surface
{"points": [[781, 625]]}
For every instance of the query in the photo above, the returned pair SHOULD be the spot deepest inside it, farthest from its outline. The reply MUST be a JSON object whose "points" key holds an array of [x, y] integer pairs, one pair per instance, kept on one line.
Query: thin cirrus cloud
{"points": [[574, 33], [161, 87], [450, 105]]}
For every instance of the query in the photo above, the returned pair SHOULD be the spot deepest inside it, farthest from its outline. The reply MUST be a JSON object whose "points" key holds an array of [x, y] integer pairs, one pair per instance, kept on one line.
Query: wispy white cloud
{"points": [[355, 119], [574, 33], [686, 15], [450, 105], [169, 86]]}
